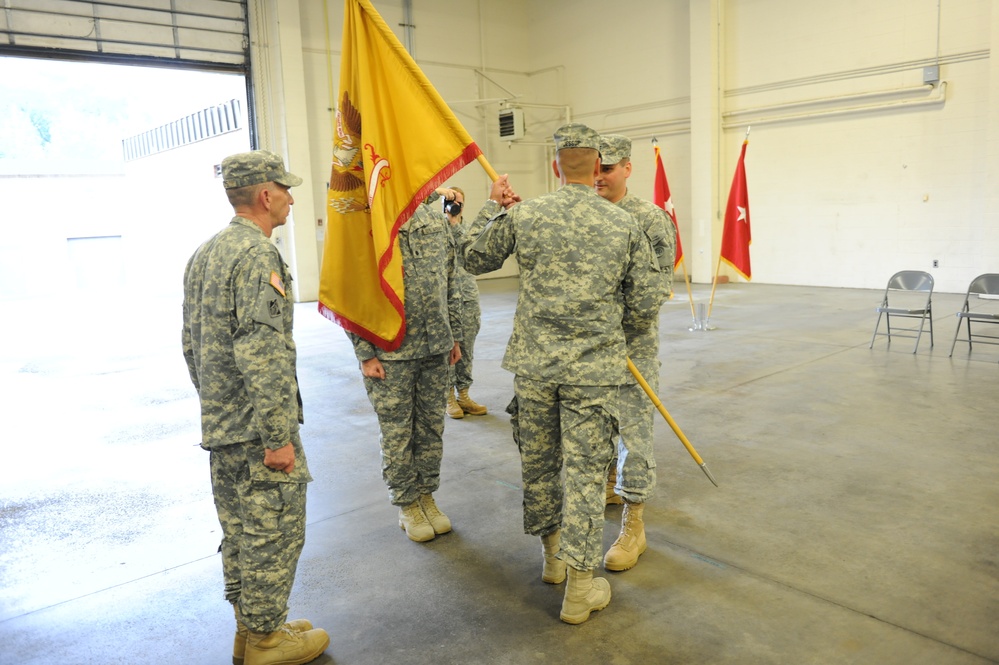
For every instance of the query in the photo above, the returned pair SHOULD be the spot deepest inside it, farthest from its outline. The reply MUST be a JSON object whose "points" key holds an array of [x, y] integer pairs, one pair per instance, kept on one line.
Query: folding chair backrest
{"points": [[985, 285], [911, 280]]}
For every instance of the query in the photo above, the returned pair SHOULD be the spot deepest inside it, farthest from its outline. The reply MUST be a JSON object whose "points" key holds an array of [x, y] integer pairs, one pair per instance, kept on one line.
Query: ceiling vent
{"points": [[511, 124]]}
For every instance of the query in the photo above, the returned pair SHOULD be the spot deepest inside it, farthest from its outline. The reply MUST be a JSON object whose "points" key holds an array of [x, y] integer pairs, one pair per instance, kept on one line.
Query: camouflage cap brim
{"points": [[253, 168]]}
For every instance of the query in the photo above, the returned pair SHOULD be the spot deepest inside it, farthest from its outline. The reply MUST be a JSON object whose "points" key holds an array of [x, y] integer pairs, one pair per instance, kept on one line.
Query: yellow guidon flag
{"points": [[395, 142]]}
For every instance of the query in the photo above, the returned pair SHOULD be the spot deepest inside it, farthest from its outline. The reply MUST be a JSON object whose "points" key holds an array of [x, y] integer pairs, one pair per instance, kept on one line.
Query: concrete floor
{"points": [[857, 518]]}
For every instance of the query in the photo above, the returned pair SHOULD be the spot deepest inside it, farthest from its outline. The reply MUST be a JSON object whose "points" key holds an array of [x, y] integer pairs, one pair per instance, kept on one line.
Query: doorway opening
{"points": [[92, 151], [109, 178]]}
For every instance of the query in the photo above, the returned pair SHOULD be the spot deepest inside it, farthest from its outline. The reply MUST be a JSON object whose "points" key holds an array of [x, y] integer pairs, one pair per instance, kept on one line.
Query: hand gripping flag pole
{"points": [[638, 375], [669, 419]]}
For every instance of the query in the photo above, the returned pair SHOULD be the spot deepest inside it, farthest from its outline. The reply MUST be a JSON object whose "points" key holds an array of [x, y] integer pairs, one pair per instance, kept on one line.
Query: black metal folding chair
{"points": [[909, 295]]}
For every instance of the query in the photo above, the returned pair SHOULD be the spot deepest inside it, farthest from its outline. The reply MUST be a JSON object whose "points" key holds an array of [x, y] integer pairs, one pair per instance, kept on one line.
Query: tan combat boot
{"points": [[453, 409], [554, 569], [612, 498], [285, 646], [414, 521], [438, 520], [584, 593], [469, 405], [630, 544], [239, 641]]}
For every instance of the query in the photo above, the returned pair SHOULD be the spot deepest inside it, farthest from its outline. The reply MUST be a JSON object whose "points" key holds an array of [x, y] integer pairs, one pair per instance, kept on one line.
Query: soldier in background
{"points": [[586, 273], [406, 387], [460, 375], [632, 479], [238, 344]]}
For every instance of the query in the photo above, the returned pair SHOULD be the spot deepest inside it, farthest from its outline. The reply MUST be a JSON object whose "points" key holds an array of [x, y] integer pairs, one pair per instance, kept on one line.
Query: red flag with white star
{"points": [[736, 237], [662, 198]]}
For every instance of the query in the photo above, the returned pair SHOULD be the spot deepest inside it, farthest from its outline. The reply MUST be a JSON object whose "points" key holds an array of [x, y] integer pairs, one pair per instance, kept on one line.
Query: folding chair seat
{"points": [[909, 295], [984, 292]]}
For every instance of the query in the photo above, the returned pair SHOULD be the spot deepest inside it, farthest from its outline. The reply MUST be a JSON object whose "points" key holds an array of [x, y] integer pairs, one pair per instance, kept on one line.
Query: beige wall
{"points": [[855, 169]]}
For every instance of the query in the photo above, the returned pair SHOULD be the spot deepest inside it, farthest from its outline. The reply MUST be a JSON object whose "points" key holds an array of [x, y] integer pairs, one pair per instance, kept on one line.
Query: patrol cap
{"points": [[253, 168], [576, 135], [614, 148]]}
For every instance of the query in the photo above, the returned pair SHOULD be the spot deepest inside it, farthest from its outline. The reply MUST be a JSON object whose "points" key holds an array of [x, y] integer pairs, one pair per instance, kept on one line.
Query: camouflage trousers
{"points": [[460, 374], [558, 426], [636, 463], [263, 529], [409, 403]]}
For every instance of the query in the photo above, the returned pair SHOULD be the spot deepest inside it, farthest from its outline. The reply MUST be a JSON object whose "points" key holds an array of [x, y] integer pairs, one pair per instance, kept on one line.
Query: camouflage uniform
{"points": [[239, 349], [636, 464], [586, 269], [471, 315], [410, 400]]}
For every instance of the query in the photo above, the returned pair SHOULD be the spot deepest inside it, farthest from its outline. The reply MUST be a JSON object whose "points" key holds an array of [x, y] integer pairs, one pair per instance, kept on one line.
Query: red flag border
{"points": [[467, 156]]}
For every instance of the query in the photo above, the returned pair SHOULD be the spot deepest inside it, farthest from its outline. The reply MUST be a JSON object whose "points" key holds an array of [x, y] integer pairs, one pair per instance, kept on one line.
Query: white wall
{"points": [[848, 199], [854, 170]]}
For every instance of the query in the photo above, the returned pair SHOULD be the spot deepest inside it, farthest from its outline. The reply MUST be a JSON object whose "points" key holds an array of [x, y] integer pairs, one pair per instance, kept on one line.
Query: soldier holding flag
{"points": [[587, 271]]}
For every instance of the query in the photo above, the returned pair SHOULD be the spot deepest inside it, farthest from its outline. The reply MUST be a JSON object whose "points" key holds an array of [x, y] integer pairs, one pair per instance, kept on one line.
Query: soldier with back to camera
{"points": [[587, 273]]}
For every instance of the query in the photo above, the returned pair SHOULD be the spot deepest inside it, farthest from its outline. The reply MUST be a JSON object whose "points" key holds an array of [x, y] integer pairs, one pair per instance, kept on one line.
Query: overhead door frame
{"points": [[208, 34]]}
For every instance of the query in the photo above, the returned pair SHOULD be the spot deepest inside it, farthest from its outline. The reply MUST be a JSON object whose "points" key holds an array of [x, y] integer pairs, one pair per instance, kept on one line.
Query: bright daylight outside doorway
{"points": [[91, 265], [107, 173]]}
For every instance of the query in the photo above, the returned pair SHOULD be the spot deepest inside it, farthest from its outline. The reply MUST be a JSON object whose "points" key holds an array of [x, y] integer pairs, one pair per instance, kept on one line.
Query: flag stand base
{"points": [[701, 323]]}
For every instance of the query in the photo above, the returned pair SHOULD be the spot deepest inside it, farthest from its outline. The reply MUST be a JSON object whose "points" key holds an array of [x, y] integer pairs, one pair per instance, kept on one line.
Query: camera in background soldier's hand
{"points": [[452, 208]]}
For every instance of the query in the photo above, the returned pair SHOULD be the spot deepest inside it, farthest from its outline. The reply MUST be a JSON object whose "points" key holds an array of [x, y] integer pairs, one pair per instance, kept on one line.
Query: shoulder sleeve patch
{"points": [[277, 283]]}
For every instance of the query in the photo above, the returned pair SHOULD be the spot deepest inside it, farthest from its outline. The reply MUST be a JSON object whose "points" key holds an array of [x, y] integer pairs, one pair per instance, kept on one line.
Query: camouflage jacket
{"points": [[662, 235], [237, 339], [432, 300], [587, 272], [466, 282]]}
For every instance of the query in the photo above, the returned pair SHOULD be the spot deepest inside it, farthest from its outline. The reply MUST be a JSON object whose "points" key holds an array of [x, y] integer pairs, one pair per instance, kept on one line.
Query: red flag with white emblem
{"points": [[662, 198], [736, 237]]}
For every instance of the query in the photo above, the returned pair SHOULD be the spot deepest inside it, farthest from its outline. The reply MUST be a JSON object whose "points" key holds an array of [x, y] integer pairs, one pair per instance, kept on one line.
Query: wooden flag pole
{"points": [[490, 171], [669, 419], [714, 285], [690, 295]]}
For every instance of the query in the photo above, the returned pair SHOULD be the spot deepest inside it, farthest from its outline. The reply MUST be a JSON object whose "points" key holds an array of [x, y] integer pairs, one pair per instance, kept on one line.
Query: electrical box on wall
{"points": [[511, 124]]}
